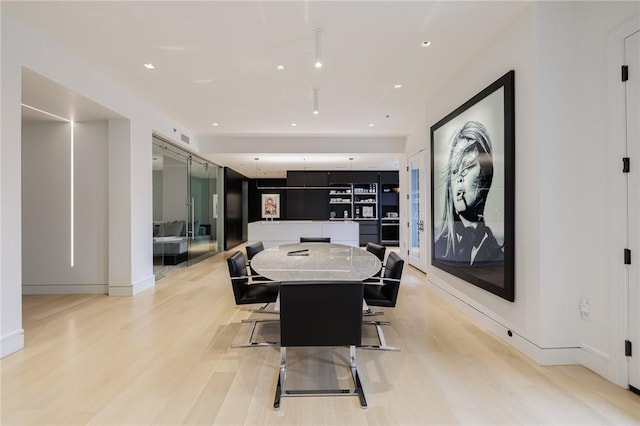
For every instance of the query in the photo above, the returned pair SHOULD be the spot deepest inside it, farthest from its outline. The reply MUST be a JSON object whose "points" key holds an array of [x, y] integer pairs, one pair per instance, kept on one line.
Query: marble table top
{"points": [[315, 262]]}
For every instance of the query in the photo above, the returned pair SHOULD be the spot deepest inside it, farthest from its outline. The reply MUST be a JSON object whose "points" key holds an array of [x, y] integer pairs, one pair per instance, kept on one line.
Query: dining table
{"points": [[316, 262], [328, 262]]}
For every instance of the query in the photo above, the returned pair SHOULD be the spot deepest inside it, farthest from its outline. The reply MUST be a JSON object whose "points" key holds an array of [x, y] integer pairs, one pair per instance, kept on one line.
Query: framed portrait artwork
{"points": [[270, 206], [473, 188]]}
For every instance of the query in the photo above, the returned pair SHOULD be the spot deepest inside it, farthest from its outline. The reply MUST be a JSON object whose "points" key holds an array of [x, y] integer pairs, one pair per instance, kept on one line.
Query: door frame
{"points": [[632, 98], [418, 262], [617, 369]]}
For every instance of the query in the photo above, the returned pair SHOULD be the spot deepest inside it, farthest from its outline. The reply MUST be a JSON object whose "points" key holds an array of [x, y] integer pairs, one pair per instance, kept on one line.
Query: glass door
{"points": [[200, 211], [417, 211], [170, 234], [186, 212]]}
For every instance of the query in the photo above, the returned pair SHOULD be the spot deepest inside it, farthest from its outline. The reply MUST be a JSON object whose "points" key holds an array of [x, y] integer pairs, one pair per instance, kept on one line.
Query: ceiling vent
{"points": [[184, 138]]}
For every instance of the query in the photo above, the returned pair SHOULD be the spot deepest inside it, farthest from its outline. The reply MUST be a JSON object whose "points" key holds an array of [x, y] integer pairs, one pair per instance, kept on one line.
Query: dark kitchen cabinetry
{"points": [[310, 203], [368, 197], [369, 232]]}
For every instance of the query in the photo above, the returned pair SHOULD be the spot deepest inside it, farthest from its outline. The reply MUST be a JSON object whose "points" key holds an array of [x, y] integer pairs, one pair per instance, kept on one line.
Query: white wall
{"points": [[12, 337], [516, 49], [46, 208], [576, 218], [563, 165], [129, 168]]}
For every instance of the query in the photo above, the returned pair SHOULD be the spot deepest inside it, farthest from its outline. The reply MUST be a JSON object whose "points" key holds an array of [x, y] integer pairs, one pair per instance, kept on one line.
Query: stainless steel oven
{"points": [[390, 231]]}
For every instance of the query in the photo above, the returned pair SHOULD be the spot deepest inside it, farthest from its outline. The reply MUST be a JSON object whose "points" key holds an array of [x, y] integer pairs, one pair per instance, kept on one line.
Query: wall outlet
{"points": [[585, 308]]}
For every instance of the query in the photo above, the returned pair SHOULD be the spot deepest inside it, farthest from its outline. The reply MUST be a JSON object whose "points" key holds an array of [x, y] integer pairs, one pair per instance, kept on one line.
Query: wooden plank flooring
{"points": [[163, 357]]}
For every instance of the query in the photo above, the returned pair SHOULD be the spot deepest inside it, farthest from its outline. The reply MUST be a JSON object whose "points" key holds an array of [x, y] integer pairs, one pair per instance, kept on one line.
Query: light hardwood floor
{"points": [[163, 358]]}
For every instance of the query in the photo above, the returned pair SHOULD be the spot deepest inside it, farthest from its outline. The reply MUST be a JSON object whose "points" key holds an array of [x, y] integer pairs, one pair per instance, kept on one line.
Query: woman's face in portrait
{"points": [[466, 186]]}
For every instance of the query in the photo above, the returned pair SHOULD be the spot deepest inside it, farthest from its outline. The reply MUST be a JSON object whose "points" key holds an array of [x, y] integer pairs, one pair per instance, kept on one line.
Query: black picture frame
{"points": [[473, 189]]}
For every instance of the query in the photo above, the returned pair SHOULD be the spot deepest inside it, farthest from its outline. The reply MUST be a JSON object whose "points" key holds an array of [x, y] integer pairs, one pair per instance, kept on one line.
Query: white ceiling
{"points": [[215, 61]]}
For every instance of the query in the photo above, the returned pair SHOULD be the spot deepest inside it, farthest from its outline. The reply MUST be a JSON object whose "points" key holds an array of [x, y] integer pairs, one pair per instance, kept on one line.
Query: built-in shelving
{"points": [[365, 201], [341, 202], [389, 209]]}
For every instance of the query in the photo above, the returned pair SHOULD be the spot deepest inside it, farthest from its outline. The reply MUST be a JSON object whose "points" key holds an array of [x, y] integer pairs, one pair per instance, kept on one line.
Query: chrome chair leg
{"points": [[368, 312], [249, 343], [263, 309], [356, 378], [282, 391], [281, 378], [383, 342]]}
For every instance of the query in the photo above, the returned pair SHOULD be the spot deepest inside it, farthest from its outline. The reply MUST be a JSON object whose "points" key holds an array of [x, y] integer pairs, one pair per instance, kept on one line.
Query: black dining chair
{"points": [[379, 251], [384, 293], [320, 313], [315, 239], [245, 292], [253, 249]]}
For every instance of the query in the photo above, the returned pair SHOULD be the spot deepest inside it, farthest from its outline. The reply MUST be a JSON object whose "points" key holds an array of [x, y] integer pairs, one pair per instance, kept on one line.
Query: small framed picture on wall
{"points": [[270, 206]]}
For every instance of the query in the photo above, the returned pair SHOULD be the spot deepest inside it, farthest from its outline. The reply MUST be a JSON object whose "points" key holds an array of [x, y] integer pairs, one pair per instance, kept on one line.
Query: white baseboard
{"points": [[12, 342], [111, 290], [132, 290], [543, 356], [598, 362], [591, 358], [36, 289]]}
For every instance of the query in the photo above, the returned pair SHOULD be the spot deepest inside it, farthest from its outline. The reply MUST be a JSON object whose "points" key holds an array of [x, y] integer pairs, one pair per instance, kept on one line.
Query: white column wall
{"points": [[2, 293], [12, 338], [120, 277], [141, 203]]}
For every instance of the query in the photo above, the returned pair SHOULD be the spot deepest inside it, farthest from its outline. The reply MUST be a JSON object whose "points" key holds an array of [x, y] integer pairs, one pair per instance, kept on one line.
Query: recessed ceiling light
{"points": [[397, 86], [214, 124], [280, 67], [371, 124], [318, 45], [293, 124], [426, 43], [149, 66]]}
